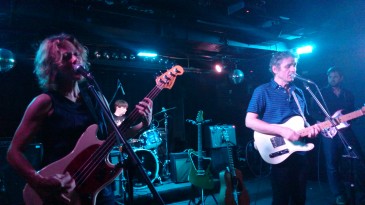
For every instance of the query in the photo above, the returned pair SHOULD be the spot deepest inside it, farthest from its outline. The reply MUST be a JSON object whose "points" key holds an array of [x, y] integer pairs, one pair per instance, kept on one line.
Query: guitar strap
{"points": [[300, 109]]}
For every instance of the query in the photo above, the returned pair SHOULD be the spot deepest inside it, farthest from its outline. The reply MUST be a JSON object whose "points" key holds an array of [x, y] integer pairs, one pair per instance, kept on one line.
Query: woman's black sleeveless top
{"points": [[64, 127]]}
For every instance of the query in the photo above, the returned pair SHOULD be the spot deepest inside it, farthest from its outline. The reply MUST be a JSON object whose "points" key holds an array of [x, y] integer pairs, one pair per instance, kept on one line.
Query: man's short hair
{"points": [[334, 69], [121, 103], [277, 57]]}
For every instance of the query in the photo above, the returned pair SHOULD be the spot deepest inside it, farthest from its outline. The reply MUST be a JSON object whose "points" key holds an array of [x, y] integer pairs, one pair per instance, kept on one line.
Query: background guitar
{"points": [[200, 174], [232, 191]]}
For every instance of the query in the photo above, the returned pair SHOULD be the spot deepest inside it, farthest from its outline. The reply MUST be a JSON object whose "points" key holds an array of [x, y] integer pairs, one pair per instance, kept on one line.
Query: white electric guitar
{"points": [[275, 149]]}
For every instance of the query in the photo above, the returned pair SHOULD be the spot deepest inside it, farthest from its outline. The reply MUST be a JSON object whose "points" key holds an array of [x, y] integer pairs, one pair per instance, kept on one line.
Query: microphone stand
{"points": [[350, 152], [166, 172], [115, 93], [119, 138], [348, 147]]}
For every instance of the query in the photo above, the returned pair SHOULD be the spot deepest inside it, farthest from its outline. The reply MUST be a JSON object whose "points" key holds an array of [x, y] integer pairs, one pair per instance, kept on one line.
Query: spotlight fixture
{"points": [[123, 56], [218, 67], [106, 55], [97, 54], [115, 56]]}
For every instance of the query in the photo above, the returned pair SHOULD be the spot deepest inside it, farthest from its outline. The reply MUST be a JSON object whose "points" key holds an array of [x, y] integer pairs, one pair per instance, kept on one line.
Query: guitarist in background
{"points": [[272, 103], [337, 98], [59, 116]]}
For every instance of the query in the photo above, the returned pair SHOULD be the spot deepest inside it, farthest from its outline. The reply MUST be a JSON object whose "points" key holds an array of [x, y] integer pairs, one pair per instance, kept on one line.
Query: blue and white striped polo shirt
{"points": [[274, 104]]}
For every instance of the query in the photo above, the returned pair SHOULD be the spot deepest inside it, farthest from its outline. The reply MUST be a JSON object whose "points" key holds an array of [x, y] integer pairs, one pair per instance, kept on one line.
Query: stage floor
{"points": [[259, 192]]}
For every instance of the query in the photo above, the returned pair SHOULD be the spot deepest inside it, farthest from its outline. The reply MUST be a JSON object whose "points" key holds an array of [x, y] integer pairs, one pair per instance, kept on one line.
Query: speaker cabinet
{"points": [[180, 165], [216, 136], [11, 184]]}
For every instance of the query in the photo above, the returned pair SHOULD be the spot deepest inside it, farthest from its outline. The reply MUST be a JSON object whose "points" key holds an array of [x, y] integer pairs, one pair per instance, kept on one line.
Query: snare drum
{"points": [[151, 139]]}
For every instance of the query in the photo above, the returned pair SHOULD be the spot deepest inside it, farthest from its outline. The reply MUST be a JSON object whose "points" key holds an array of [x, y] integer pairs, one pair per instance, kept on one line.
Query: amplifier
{"points": [[180, 167], [12, 184], [215, 136]]}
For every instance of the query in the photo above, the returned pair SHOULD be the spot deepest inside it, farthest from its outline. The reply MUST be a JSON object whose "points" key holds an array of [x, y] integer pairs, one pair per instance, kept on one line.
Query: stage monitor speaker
{"points": [[215, 136], [11, 184], [180, 165]]}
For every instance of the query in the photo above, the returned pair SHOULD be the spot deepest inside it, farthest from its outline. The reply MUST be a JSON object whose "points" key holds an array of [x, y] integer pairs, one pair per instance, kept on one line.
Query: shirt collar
{"points": [[275, 85]]}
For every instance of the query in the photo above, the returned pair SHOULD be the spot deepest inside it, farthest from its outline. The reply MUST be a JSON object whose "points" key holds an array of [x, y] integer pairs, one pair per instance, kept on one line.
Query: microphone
{"points": [[121, 87], [81, 70], [301, 78]]}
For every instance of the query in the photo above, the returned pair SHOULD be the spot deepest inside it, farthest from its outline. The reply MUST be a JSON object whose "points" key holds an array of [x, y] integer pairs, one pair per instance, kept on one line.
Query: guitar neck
{"points": [[231, 162], [200, 147], [326, 124]]}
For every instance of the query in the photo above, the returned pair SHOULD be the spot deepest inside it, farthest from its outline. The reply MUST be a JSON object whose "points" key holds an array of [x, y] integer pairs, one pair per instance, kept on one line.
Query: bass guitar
{"points": [[200, 174], [275, 149], [232, 191], [88, 163]]}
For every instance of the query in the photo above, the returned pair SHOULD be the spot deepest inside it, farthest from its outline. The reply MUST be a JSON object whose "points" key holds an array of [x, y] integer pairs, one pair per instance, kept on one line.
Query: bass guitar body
{"points": [[232, 191], [90, 178]]}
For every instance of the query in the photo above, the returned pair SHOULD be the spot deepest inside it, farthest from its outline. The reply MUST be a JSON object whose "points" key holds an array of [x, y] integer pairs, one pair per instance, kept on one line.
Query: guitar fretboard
{"points": [[340, 119]]}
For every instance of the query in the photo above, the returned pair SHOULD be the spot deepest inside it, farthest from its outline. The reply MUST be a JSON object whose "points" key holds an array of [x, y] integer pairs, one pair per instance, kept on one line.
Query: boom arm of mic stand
{"points": [[325, 112], [115, 94]]}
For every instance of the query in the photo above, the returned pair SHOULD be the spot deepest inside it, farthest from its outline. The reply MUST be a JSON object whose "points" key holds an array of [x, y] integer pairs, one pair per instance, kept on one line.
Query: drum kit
{"points": [[148, 147]]}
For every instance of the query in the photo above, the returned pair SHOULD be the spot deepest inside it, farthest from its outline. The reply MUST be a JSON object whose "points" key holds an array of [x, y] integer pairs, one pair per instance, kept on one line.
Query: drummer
{"points": [[120, 108]]}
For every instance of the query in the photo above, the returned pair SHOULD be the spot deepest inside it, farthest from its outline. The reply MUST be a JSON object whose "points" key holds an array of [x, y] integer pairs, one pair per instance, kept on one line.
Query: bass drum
{"points": [[150, 139], [150, 164]]}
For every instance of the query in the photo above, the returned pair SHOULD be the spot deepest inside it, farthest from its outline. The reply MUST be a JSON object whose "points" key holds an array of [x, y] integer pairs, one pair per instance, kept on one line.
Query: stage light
{"points": [[123, 56], [115, 56], [97, 54], [146, 54], [218, 67], [304, 49], [106, 55]]}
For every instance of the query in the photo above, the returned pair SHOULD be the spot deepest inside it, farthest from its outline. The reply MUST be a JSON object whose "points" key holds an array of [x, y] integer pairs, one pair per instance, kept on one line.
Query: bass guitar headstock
{"points": [[167, 79]]}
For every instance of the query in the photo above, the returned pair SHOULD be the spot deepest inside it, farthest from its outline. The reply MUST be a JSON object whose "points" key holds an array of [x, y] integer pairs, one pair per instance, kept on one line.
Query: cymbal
{"points": [[164, 110]]}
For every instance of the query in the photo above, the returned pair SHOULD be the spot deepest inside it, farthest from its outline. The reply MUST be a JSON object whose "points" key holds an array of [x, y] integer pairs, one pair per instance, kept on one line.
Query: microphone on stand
{"points": [[121, 87], [81, 70], [296, 76]]}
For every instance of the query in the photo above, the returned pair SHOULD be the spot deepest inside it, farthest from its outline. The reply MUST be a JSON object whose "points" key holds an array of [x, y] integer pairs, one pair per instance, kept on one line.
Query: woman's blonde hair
{"points": [[49, 58]]}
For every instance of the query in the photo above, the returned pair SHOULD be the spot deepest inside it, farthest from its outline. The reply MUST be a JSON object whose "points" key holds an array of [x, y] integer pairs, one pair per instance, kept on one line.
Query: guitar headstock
{"points": [[199, 117], [167, 79], [225, 136]]}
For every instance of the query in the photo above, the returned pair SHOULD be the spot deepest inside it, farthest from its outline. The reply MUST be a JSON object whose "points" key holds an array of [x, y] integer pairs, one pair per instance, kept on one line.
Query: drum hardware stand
{"points": [[122, 179], [165, 170], [351, 179]]}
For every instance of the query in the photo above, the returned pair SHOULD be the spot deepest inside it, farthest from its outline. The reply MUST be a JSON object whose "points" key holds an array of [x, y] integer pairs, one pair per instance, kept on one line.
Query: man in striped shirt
{"points": [[271, 104]]}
